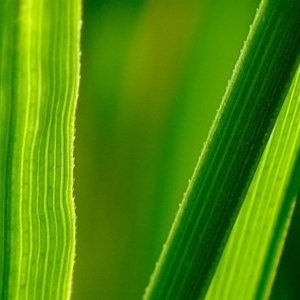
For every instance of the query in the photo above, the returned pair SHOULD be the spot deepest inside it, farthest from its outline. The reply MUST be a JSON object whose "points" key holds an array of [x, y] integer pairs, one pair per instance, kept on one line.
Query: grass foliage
{"points": [[39, 82], [229, 231], [226, 166], [249, 262]]}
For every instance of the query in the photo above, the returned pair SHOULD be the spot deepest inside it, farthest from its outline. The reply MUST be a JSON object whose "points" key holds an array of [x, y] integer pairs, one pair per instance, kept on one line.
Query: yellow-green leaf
{"points": [[39, 57]]}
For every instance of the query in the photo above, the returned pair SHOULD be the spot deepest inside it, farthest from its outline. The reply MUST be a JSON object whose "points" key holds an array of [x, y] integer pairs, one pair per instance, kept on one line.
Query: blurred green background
{"points": [[153, 75]]}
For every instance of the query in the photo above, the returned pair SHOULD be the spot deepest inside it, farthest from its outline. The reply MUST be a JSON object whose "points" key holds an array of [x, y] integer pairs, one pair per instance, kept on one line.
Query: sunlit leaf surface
{"points": [[39, 59]]}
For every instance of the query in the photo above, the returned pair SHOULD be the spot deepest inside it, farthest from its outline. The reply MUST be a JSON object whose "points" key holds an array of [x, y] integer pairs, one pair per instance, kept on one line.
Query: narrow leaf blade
{"points": [[37, 114], [227, 164], [249, 262]]}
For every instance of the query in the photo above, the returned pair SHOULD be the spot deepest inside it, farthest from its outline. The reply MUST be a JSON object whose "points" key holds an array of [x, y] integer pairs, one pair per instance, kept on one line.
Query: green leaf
{"points": [[238, 136], [39, 59], [248, 264]]}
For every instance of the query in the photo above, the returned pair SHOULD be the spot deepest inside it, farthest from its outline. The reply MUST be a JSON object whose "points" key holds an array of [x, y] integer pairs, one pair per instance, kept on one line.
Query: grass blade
{"points": [[226, 166], [39, 82], [7, 13], [248, 264], [280, 233]]}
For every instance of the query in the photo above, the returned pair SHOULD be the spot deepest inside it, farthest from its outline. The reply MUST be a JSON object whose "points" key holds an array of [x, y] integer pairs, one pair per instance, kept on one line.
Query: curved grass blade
{"points": [[248, 264], [228, 161], [39, 82]]}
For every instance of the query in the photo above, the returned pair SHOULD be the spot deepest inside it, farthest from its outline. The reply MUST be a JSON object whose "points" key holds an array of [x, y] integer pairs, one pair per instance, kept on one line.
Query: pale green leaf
{"points": [[39, 59]]}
